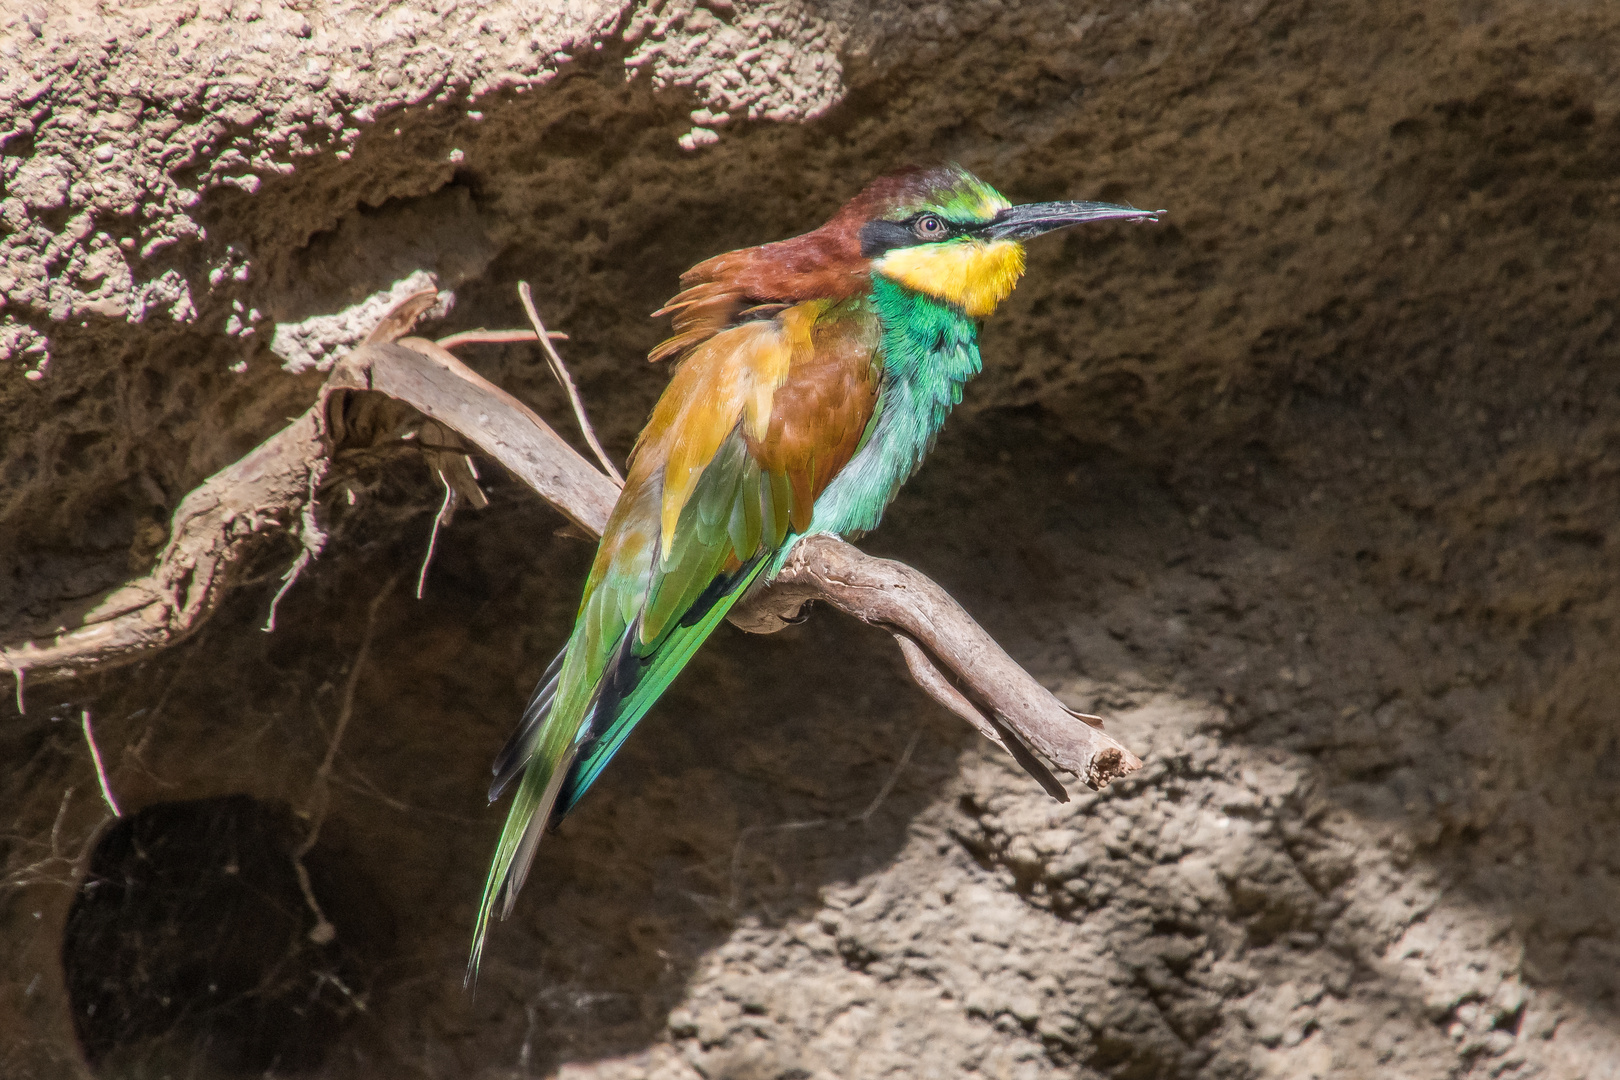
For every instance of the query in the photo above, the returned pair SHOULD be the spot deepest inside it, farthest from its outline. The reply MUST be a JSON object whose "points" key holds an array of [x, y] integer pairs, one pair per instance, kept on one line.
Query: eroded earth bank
{"points": [[1309, 490]]}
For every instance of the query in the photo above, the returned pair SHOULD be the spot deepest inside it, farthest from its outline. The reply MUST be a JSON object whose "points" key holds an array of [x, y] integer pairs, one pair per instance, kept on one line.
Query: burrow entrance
{"points": [[192, 937]]}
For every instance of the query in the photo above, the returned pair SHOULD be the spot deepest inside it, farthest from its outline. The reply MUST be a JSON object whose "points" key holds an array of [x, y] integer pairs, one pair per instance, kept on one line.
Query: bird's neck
{"points": [[928, 351], [973, 276], [928, 345]]}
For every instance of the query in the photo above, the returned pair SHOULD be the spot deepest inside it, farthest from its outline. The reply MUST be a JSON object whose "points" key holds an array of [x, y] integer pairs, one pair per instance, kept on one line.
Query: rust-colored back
{"points": [[824, 264], [821, 410]]}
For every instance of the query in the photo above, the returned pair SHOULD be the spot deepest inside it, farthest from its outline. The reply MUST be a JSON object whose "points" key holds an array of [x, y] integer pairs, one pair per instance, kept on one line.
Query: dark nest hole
{"points": [[191, 937]]}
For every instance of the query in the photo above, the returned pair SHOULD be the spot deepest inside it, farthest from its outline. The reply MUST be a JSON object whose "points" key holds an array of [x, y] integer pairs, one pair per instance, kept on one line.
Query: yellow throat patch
{"points": [[975, 275]]}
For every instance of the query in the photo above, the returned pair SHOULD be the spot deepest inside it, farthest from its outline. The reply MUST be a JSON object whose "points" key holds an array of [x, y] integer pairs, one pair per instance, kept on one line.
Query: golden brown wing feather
{"points": [[820, 411]]}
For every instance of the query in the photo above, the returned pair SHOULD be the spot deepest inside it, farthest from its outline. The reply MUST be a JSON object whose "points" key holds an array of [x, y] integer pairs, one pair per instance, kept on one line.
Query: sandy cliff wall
{"points": [[1310, 490]]}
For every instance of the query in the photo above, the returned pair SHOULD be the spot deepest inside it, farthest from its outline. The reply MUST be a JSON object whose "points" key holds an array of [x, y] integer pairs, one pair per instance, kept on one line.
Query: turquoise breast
{"points": [[929, 351]]}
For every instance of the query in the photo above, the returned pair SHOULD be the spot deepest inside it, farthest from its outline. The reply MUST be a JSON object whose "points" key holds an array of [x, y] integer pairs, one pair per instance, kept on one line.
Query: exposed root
{"points": [[320, 792], [440, 519], [894, 778], [311, 538], [101, 771]]}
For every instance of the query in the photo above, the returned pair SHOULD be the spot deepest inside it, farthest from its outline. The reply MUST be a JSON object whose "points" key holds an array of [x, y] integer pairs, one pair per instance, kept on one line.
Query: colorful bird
{"points": [[812, 376]]}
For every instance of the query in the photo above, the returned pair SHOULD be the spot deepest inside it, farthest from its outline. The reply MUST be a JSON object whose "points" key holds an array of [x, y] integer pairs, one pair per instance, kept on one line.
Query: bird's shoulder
{"points": [[746, 284], [796, 389], [820, 412]]}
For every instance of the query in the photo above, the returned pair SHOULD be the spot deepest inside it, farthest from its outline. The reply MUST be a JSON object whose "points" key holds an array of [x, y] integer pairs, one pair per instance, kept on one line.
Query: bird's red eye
{"points": [[930, 225]]}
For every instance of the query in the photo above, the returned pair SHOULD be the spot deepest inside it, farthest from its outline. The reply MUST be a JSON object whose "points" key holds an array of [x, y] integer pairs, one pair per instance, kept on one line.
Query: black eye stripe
{"points": [[878, 237]]}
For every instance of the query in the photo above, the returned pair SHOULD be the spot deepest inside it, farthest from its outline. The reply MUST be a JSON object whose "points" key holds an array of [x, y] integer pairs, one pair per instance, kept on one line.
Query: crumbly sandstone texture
{"points": [[1308, 490]]}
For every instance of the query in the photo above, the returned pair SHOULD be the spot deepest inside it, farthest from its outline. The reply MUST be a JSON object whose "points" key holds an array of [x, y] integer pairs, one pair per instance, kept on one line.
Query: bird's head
{"points": [[941, 231], [947, 234]]}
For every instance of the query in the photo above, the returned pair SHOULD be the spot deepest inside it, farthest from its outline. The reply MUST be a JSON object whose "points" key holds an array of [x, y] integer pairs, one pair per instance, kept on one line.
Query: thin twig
{"points": [[35, 873], [310, 537], [862, 818], [101, 772], [323, 931], [494, 337], [561, 371], [433, 537], [56, 826], [865, 816], [287, 580], [361, 784], [319, 796], [359, 1000], [345, 712]]}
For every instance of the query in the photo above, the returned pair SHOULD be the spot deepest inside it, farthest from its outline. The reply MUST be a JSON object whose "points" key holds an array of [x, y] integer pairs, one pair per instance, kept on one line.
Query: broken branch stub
{"points": [[392, 385]]}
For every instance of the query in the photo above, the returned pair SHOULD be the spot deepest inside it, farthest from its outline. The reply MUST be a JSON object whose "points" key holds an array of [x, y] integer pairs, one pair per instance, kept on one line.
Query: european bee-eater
{"points": [[812, 375]]}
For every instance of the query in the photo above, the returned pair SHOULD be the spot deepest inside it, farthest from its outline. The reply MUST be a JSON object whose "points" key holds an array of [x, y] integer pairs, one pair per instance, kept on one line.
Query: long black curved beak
{"points": [[1033, 219]]}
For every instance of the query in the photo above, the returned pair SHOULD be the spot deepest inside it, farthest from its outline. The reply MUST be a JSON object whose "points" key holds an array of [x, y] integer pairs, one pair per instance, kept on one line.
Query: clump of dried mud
{"points": [[1308, 490]]}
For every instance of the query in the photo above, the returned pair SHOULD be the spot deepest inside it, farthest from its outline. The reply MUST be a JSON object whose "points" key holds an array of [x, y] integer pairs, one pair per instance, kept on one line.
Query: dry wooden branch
{"points": [[428, 379], [211, 532], [393, 384], [995, 695]]}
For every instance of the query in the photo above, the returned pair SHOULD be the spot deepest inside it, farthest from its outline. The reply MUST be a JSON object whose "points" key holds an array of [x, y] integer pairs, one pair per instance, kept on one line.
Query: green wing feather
{"points": [[661, 667], [641, 620]]}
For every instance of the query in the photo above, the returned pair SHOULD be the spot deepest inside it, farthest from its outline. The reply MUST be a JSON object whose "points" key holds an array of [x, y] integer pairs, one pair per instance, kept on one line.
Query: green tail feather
{"points": [[666, 662], [557, 776], [525, 821]]}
